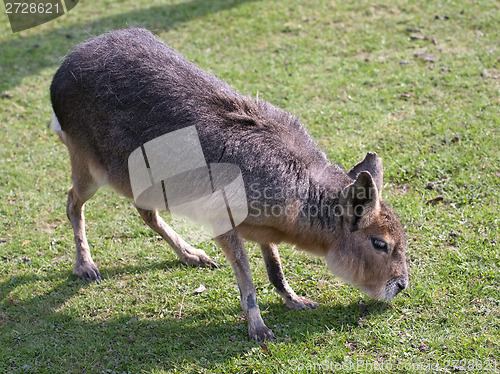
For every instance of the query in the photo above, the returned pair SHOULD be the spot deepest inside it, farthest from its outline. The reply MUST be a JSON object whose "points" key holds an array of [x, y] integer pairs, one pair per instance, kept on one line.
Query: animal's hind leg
{"points": [[277, 278], [186, 253], [77, 196]]}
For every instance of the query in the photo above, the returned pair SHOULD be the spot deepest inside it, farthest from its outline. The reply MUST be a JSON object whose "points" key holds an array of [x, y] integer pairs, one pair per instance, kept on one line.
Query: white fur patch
{"points": [[56, 126], [98, 173]]}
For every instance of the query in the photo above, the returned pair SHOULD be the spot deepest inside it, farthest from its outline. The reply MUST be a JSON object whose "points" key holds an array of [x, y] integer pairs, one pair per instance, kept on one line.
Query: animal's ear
{"points": [[359, 200], [373, 165]]}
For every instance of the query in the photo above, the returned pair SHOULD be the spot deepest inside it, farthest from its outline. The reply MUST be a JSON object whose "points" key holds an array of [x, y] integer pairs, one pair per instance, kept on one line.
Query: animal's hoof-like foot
{"points": [[261, 334], [197, 257], [301, 303], [87, 271]]}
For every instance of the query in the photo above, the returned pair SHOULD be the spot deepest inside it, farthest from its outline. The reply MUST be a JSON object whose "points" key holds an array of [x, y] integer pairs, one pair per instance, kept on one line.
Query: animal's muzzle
{"points": [[395, 286]]}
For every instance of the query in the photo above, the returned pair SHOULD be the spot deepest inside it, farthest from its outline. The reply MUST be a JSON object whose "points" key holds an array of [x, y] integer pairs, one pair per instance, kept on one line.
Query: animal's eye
{"points": [[380, 244]]}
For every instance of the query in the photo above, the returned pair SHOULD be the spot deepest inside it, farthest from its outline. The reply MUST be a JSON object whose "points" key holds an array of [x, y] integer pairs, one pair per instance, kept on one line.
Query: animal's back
{"points": [[123, 89], [124, 86]]}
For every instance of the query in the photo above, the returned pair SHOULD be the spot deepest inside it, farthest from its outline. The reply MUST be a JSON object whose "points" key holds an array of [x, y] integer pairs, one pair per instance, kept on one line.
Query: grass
{"points": [[415, 81]]}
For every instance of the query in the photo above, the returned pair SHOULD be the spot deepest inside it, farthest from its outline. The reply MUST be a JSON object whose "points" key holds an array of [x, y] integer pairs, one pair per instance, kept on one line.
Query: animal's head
{"points": [[370, 252]]}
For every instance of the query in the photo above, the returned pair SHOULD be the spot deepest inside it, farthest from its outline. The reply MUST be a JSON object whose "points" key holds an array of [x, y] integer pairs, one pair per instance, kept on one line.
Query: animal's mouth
{"points": [[395, 286]]}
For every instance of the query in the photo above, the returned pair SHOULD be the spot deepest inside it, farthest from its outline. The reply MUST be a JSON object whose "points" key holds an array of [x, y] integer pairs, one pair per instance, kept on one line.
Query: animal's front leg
{"points": [[277, 278], [235, 252]]}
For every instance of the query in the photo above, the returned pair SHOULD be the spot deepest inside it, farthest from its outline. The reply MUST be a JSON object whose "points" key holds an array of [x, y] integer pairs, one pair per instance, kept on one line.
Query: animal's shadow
{"points": [[154, 343]]}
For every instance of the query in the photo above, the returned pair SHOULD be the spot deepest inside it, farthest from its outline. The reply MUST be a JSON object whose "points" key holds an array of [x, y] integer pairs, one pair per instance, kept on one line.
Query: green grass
{"points": [[352, 72]]}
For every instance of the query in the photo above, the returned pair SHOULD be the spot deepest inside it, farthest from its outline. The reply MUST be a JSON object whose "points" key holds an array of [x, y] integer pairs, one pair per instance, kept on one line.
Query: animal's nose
{"points": [[395, 286], [402, 284]]}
